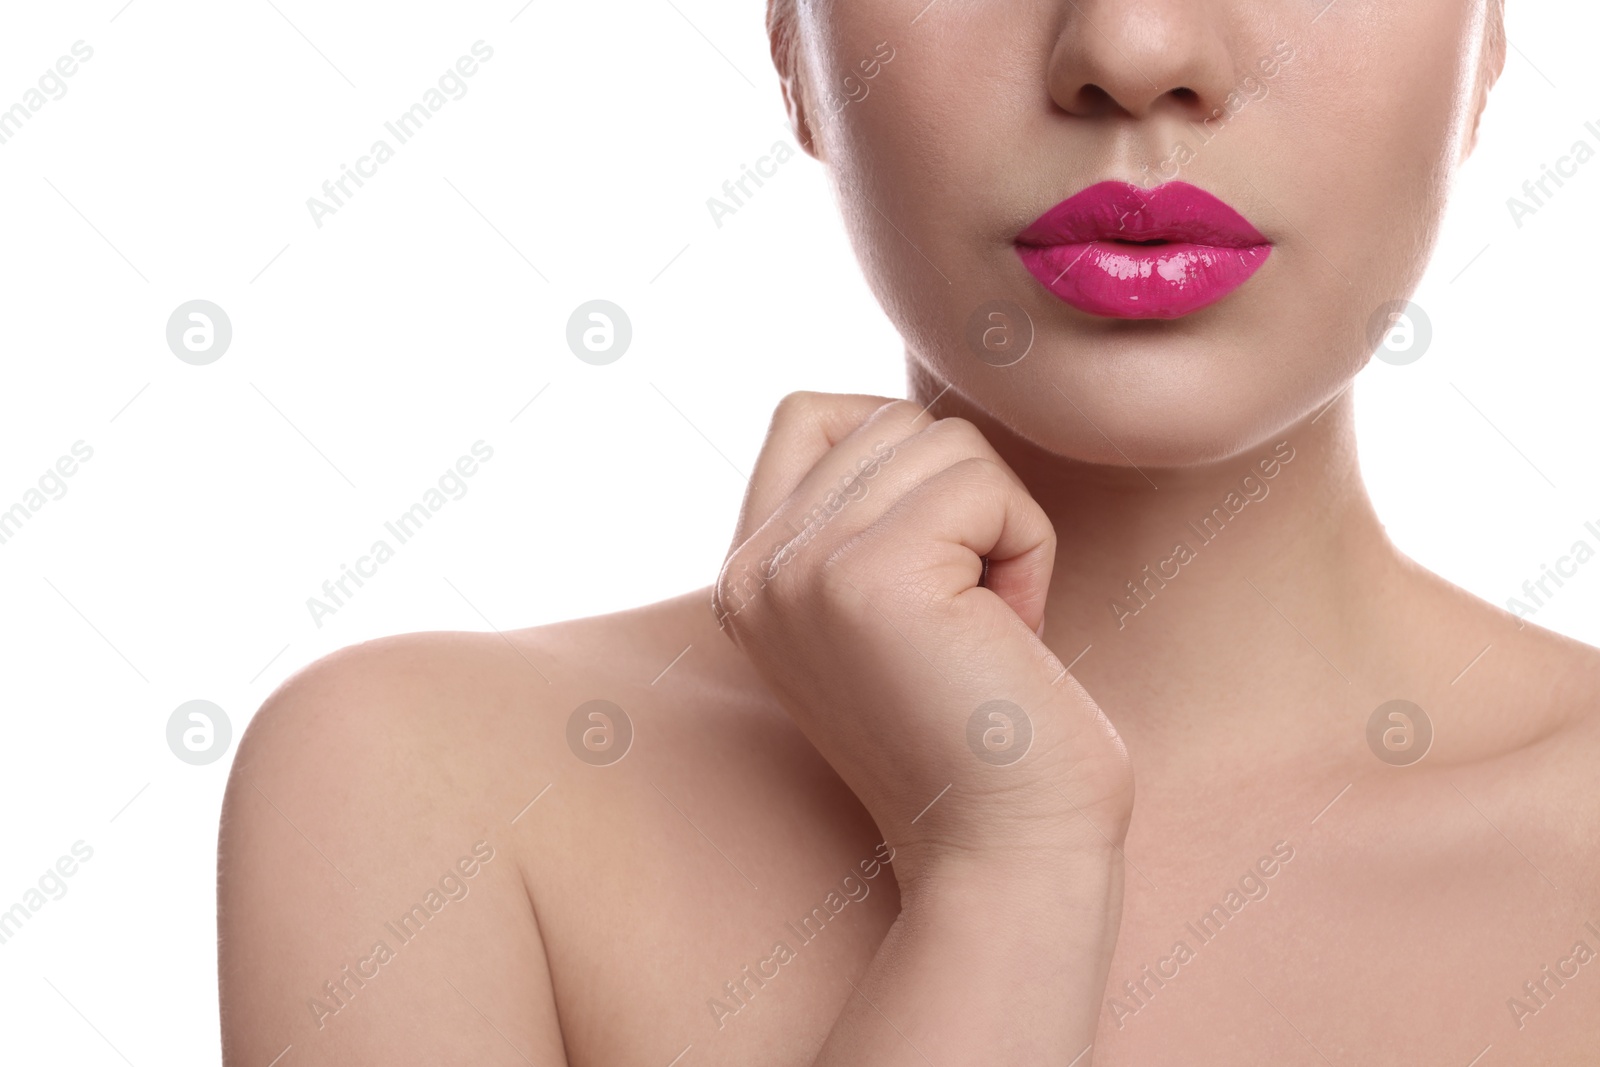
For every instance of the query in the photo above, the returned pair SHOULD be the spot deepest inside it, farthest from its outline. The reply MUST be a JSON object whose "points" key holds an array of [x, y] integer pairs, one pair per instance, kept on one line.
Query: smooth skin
{"points": [[803, 768]]}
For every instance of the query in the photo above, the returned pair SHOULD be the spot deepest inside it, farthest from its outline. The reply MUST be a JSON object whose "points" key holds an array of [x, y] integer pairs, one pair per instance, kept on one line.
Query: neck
{"points": [[1225, 593]]}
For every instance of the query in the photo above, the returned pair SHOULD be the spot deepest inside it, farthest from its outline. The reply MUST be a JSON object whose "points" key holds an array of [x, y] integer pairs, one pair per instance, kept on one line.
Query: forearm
{"points": [[987, 968]]}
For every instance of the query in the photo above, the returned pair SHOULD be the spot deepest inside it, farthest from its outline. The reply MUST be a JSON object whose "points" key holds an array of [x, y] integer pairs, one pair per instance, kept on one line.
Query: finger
{"points": [[840, 495], [841, 477], [871, 469], [846, 491], [818, 491], [937, 535], [804, 428], [855, 473]]}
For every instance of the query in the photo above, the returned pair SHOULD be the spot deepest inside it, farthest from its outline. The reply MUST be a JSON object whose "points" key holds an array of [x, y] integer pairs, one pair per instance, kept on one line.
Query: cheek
{"points": [[1377, 125], [1382, 123], [926, 171]]}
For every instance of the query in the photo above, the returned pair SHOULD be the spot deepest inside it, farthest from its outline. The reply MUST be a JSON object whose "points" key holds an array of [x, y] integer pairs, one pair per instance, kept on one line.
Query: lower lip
{"points": [[1131, 281]]}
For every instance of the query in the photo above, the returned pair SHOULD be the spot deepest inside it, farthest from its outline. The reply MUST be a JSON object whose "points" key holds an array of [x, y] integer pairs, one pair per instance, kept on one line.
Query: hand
{"points": [[888, 579]]}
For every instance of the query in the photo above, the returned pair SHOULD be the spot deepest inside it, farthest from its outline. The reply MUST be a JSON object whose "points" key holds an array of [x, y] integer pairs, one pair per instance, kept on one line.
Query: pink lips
{"points": [[1118, 250]]}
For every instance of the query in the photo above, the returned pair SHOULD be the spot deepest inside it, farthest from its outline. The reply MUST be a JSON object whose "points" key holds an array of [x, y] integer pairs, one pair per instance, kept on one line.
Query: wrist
{"points": [[1050, 927], [1083, 881]]}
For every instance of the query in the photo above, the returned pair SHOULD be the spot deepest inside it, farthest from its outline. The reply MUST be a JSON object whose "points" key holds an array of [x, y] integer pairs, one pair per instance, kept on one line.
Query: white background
{"points": [[429, 311]]}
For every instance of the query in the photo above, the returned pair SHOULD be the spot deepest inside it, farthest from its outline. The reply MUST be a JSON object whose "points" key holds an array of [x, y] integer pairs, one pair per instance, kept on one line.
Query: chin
{"points": [[1145, 398]]}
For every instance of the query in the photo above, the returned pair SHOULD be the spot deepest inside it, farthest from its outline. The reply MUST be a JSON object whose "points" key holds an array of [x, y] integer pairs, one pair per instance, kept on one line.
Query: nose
{"points": [[1135, 58]]}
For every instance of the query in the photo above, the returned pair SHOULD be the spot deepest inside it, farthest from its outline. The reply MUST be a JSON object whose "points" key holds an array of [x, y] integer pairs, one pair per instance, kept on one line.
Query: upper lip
{"points": [[1121, 211]]}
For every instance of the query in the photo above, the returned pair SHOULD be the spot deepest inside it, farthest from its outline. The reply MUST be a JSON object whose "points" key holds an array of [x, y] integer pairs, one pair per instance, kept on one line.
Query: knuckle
{"points": [[982, 469], [797, 407], [799, 402], [908, 413], [957, 425], [959, 435]]}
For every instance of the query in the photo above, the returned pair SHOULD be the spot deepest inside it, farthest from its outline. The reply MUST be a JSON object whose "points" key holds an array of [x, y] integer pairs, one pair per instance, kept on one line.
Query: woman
{"points": [[871, 799]]}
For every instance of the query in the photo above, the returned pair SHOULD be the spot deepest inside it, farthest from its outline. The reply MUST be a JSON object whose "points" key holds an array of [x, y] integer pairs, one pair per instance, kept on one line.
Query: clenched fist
{"points": [[888, 580]]}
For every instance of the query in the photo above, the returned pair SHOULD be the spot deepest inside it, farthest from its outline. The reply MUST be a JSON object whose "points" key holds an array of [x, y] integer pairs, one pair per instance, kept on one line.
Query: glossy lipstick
{"points": [[1125, 252]]}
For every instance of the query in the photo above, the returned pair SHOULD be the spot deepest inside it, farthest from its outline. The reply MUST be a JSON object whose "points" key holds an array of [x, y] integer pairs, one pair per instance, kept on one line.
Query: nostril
{"points": [[1094, 100], [1185, 94]]}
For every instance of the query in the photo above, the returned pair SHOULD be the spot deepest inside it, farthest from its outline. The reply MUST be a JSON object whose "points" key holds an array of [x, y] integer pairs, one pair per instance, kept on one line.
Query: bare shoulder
{"points": [[375, 891], [1517, 728], [431, 720], [428, 698], [1511, 681], [1554, 680], [1560, 677]]}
